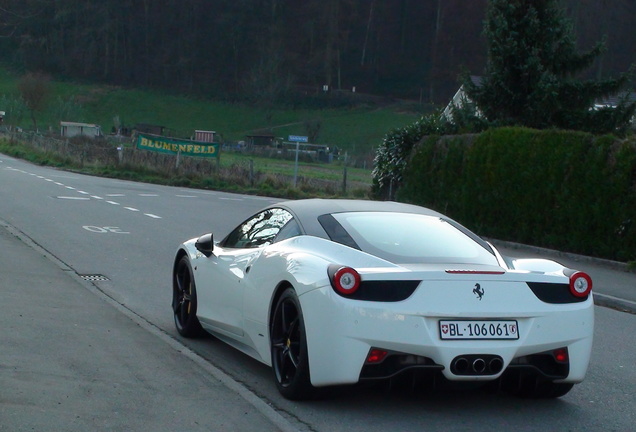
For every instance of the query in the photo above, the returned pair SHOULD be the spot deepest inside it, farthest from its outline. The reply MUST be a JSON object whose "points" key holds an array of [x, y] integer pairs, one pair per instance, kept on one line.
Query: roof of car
{"points": [[307, 211]]}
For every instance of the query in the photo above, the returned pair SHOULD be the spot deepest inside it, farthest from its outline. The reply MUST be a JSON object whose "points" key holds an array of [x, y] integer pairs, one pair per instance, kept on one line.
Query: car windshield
{"points": [[407, 238]]}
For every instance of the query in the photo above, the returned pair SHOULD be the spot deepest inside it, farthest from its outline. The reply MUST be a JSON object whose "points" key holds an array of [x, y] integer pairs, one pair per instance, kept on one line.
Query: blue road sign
{"points": [[298, 138]]}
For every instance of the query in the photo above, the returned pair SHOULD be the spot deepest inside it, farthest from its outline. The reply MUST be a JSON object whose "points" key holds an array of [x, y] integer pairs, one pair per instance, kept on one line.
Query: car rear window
{"points": [[406, 238]]}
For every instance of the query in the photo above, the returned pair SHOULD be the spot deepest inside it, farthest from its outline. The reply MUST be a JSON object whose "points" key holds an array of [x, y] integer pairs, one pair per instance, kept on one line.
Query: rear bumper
{"points": [[340, 333]]}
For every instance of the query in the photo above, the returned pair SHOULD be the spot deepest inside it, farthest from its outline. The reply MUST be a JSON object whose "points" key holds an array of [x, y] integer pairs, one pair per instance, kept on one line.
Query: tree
{"points": [[14, 108], [532, 76], [34, 89]]}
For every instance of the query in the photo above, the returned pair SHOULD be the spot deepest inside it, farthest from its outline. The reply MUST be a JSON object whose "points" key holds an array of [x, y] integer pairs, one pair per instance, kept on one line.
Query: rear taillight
{"points": [[580, 284], [345, 280]]}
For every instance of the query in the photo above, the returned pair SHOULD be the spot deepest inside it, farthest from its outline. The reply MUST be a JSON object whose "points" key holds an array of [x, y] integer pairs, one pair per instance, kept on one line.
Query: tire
{"points": [[288, 343], [184, 300]]}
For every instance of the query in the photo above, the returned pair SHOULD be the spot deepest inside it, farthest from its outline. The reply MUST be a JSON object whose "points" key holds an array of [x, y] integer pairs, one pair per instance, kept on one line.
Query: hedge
{"points": [[564, 190]]}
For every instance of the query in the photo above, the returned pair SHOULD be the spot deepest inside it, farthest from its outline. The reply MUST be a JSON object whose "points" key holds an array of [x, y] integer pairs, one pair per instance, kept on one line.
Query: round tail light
{"points": [[580, 284], [346, 280]]}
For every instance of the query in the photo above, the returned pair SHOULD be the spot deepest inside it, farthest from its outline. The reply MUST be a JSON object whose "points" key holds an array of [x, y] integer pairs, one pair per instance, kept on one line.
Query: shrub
{"points": [[567, 190], [392, 155]]}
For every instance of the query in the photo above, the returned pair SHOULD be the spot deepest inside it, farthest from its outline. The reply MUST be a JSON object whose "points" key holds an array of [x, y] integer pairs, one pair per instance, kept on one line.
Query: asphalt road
{"points": [[127, 232]]}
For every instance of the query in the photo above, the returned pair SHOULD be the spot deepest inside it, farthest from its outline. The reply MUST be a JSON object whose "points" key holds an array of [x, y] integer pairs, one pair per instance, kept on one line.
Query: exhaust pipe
{"points": [[495, 365], [479, 366], [460, 365]]}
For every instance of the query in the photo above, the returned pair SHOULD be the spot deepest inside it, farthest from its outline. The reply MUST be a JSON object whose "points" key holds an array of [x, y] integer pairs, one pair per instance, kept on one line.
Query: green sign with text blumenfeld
{"points": [[177, 146]]}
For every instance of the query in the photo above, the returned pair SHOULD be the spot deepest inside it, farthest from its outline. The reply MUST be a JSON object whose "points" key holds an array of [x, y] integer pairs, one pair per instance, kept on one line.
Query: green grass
{"points": [[356, 130], [8, 83], [332, 172], [272, 177]]}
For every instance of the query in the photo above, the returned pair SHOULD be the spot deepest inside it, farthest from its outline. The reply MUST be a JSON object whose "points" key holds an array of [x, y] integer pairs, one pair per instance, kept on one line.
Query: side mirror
{"points": [[205, 244]]}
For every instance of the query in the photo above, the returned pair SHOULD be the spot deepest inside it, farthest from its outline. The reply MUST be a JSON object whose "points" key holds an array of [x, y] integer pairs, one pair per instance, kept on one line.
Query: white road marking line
{"points": [[231, 199], [76, 198], [64, 176], [186, 196]]}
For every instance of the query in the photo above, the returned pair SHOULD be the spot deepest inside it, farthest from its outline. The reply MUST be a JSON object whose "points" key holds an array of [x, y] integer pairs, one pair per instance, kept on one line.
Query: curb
{"points": [[613, 265], [614, 303]]}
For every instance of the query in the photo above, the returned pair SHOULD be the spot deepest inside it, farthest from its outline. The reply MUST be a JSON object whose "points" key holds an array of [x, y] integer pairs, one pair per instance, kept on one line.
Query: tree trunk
{"points": [[366, 35]]}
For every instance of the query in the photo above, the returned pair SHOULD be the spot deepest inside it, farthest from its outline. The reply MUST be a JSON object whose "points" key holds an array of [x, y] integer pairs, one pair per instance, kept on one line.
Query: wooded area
{"points": [[266, 49]]}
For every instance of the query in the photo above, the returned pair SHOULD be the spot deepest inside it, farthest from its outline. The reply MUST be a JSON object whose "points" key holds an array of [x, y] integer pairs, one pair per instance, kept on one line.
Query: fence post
{"points": [[296, 164], [344, 181], [84, 153]]}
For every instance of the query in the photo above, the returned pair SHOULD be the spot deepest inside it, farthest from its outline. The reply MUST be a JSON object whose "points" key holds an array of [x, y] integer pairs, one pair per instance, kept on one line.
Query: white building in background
{"points": [[72, 129], [460, 98], [613, 101], [204, 136]]}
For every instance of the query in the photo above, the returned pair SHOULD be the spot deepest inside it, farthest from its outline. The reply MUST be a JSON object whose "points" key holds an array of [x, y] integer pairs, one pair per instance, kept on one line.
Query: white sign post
{"points": [[297, 139]]}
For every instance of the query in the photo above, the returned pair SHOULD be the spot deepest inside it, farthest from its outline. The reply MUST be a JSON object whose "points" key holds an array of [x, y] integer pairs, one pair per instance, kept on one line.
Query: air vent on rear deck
{"points": [[94, 277]]}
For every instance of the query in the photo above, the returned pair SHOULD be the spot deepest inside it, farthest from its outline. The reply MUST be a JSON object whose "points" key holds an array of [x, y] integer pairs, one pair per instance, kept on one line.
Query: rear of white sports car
{"points": [[345, 291], [532, 331]]}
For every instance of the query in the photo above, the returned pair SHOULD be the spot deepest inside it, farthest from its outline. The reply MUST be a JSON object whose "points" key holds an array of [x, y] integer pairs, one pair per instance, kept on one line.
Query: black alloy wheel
{"points": [[289, 348], [184, 300]]}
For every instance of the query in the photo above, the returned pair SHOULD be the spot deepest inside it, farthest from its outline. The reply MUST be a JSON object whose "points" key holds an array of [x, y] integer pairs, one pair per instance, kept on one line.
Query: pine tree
{"points": [[533, 73]]}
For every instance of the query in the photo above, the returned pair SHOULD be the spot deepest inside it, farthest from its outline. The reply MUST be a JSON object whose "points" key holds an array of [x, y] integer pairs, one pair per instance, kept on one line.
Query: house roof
{"points": [[477, 80], [614, 100], [63, 123], [608, 101]]}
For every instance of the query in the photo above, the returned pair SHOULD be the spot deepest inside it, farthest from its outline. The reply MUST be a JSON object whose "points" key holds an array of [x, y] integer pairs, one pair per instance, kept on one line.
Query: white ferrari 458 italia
{"points": [[332, 292]]}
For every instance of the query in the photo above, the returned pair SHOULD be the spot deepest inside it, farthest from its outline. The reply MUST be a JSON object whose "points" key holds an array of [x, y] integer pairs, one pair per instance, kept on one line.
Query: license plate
{"points": [[478, 329]]}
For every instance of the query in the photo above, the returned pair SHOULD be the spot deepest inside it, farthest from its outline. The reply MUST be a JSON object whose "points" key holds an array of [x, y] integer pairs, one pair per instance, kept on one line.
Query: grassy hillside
{"points": [[357, 130]]}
